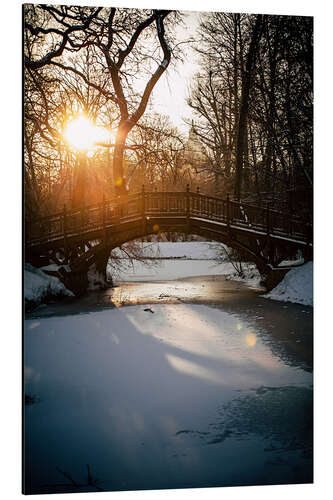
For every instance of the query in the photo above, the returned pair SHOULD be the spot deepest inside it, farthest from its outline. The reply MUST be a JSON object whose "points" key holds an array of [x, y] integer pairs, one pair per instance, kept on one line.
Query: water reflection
{"points": [[33, 325], [206, 289], [195, 370]]}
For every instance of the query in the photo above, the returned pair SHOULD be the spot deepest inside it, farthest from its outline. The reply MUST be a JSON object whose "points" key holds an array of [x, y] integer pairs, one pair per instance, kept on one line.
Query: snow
{"points": [[250, 276], [138, 395], [178, 260], [38, 285], [201, 250], [296, 286], [189, 259], [288, 263], [55, 267]]}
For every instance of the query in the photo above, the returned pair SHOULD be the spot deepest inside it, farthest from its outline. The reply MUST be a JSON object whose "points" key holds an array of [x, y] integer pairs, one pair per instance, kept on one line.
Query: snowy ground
{"points": [[296, 286], [172, 396], [38, 286], [202, 250], [183, 260]]}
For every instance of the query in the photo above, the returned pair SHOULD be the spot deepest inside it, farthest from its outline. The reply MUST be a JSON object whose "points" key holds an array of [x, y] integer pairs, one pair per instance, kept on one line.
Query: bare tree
{"points": [[247, 79], [123, 43], [253, 105]]}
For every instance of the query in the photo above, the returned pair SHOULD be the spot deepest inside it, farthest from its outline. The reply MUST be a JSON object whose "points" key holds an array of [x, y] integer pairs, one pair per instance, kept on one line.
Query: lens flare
{"points": [[82, 134], [250, 339]]}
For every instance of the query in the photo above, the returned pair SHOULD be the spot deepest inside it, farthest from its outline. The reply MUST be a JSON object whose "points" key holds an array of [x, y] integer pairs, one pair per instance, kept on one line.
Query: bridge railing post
{"points": [[64, 227], [228, 209], [188, 210], [82, 217], [196, 201], [309, 240], [187, 200], [290, 225], [143, 201], [268, 219], [103, 218]]}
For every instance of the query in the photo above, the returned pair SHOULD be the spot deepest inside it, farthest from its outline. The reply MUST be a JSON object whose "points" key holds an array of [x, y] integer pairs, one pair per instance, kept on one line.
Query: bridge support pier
{"points": [[75, 281], [308, 253], [97, 271], [273, 278], [87, 276]]}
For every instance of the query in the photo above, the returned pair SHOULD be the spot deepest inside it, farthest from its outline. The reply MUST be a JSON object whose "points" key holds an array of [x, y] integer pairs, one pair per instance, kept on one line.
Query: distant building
{"points": [[195, 160]]}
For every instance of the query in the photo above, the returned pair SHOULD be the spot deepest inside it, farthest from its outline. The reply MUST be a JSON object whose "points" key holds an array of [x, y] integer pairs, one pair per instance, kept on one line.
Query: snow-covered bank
{"points": [[39, 286], [178, 260], [250, 275], [168, 269], [296, 286], [173, 260]]}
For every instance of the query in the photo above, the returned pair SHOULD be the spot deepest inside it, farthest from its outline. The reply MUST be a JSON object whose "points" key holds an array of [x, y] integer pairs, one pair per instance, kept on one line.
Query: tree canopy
{"points": [[251, 102]]}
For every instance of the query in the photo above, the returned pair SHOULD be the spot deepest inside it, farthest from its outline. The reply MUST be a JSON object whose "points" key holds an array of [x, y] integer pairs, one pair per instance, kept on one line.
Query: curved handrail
{"points": [[145, 204]]}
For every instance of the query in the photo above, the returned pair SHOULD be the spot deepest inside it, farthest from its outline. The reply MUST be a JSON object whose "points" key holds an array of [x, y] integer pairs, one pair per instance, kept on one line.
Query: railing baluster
{"points": [[64, 227], [143, 202], [82, 216], [103, 219], [188, 201]]}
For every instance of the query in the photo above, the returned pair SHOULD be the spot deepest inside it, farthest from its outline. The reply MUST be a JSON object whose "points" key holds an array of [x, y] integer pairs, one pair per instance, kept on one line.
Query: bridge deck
{"points": [[165, 209]]}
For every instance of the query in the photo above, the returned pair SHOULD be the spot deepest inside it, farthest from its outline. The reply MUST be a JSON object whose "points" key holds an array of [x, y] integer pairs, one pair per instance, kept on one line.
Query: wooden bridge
{"points": [[79, 238]]}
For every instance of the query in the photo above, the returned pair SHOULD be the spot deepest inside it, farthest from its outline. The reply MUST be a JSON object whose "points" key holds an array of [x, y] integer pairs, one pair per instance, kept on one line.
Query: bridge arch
{"points": [[206, 229], [86, 236]]}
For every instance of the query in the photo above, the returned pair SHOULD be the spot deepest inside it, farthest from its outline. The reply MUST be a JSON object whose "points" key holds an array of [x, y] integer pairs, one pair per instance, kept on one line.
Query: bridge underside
{"points": [[77, 253]]}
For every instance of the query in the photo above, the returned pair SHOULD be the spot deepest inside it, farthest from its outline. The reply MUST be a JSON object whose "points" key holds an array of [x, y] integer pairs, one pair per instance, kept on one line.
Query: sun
{"points": [[82, 134]]}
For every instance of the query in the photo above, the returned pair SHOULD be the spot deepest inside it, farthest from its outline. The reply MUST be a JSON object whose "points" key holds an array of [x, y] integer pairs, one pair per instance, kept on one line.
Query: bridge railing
{"points": [[159, 202], [275, 222], [208, 206], [186, 204]]}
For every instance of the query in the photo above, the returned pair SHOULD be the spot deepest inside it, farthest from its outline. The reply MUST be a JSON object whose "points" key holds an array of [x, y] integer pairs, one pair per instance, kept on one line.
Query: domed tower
{"points": [[194, 157]]}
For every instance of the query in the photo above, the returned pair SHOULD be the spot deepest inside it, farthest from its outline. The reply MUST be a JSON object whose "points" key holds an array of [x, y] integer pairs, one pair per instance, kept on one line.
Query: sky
{"points": [[169, 96]]}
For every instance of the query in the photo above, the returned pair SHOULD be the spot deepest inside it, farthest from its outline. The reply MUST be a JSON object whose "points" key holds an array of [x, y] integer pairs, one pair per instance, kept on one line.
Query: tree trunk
{"points": [[118, 170], [244, 105], [119, 179], [80, 188]]}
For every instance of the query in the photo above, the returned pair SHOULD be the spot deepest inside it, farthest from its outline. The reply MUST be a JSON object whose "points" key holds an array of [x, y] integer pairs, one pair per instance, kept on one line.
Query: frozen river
{"points": [[186, 383]]}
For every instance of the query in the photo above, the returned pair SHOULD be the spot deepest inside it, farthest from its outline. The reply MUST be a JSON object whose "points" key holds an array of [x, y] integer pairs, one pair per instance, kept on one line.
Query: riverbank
{"points": [[296, 287]]}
